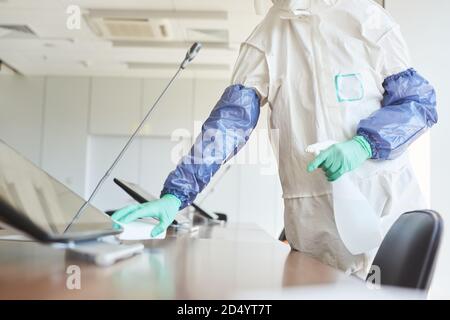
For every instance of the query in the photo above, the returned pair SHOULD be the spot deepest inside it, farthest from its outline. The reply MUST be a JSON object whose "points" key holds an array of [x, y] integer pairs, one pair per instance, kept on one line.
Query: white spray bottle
{"points": [[357, 222]]}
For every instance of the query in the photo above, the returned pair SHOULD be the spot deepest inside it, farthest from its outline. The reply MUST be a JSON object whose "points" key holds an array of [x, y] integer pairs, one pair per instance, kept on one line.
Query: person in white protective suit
{"points": [[328, 70]]}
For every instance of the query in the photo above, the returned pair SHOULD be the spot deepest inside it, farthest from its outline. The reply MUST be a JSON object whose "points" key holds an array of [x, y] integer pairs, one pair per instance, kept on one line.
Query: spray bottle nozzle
{"points": [[320, 146]]}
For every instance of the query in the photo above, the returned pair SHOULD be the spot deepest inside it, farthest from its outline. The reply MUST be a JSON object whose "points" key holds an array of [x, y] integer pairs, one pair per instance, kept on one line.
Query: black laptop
{"points": [[38, 206]]}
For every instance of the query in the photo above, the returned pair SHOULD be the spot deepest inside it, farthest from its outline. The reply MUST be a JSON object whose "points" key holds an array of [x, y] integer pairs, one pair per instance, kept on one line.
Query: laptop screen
{"points": [[45, 201]]}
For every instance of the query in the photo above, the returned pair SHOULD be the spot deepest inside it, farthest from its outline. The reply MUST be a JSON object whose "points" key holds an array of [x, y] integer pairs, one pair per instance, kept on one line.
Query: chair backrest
{"points": [[407, 255], [282, 236]]}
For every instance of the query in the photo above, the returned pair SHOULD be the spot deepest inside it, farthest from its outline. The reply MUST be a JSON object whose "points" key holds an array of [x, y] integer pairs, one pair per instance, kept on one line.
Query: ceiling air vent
{"points": [[131, 28], [5, 69], [18, 28]]}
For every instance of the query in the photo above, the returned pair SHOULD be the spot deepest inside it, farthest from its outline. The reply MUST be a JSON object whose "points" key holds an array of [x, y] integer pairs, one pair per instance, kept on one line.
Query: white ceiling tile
{"points": [[39, 5], [245, 6], [123, 4], [66, 51]]}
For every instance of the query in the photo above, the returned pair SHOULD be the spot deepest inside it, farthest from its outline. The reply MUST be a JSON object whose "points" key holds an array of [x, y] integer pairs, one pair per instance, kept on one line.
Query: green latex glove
{"points": [[164, 209], [342, 157]]}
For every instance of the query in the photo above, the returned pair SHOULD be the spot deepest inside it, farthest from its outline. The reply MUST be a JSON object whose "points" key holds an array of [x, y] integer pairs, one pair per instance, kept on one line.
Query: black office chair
{"points": [[407, 255], [282, 236]]}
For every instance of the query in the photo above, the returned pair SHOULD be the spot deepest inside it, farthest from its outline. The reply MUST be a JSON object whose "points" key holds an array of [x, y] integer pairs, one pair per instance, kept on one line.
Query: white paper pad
{"points": [[15, 237], [139, 230]]}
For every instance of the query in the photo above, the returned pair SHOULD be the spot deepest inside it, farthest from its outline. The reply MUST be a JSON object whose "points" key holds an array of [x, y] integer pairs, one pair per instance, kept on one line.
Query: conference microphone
{"points": [[190, 55]]}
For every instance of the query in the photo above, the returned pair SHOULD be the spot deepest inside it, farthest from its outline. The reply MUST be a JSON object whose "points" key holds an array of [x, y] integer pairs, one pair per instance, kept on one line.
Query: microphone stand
{"points": [[189, 57]]}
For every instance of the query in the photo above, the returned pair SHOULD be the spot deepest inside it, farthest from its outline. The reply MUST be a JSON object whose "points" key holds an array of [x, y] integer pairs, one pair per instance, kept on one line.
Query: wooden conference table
{"points": [[215, 263]]}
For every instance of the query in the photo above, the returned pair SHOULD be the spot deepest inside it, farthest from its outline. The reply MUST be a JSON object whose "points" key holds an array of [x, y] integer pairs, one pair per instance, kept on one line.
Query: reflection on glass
{"points": [[47, 202]]}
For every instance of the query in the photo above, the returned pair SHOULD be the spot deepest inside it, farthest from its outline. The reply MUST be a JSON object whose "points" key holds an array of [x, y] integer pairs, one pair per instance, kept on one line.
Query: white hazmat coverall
{"points": [[320, 65], [328, 70]]}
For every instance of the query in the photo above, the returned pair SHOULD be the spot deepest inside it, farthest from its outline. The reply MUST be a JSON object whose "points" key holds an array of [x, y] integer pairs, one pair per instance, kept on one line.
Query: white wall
{"points": [[63, 151], [21, 114], [73, 127], [426, 27]]}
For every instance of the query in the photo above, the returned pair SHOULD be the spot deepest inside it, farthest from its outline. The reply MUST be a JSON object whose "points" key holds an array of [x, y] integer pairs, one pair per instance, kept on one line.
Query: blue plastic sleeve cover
{"points": [[224, 133], [408, 109]]}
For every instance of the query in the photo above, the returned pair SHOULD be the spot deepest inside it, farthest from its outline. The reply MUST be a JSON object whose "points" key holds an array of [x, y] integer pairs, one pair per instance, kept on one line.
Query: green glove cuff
{"points": [[174, 199], [364, 144]]}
